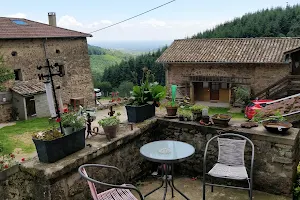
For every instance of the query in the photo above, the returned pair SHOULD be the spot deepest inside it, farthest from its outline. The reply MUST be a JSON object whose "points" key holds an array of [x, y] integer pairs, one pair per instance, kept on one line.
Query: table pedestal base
{"points": [[167, 181]]}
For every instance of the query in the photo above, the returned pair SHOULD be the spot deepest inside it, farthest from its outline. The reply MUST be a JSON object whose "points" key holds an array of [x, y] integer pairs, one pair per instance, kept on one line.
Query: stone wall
{"points": [[5, 110], [261, 75], [276, 159], [72, 53]]}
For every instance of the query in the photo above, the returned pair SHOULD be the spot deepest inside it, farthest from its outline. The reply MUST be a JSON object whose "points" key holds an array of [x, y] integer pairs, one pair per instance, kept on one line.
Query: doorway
{"points": [[30, 106], [214, 91]]}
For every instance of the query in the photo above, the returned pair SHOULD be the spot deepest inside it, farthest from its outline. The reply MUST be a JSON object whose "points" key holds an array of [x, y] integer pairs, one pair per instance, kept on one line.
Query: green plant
{"points": [[198, 108], [72, 120], [260, 116], [242, 94], [110, 121], [185, 112], [48, 135], [170, 104], [148, 90]]}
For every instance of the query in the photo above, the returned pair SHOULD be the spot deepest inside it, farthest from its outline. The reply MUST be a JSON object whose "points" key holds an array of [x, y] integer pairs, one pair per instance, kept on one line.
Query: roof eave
{"points": [[212, 62]]}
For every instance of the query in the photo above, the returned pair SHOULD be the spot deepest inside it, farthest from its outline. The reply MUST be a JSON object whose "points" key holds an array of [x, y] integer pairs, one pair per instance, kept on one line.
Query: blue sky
{"points": [[176, 20]]}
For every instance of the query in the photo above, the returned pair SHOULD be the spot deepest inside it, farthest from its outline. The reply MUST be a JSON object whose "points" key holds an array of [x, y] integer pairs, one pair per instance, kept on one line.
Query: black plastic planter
{"points": [[54, 150], [140, 113]]}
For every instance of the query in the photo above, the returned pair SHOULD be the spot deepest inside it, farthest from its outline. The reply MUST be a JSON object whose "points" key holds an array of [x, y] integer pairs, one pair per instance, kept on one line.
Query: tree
{"points": [[105, 87], [125, 88]]}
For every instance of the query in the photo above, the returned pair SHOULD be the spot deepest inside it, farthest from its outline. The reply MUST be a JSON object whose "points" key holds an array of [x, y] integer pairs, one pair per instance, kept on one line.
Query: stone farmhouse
{"points": [[26, 44], [209, 69]]}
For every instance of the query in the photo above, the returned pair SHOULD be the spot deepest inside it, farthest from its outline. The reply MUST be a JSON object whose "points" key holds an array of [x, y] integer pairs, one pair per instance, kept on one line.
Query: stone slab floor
{"points": [[193, 190]]}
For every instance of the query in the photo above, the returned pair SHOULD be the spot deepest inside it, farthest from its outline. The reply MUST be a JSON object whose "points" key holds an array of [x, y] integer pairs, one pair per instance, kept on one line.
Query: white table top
{"points": [[167, 151]]}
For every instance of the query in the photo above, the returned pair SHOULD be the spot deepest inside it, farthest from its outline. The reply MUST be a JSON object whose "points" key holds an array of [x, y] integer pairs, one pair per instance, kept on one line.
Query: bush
{"points": [[104, 86], [125, 88]]}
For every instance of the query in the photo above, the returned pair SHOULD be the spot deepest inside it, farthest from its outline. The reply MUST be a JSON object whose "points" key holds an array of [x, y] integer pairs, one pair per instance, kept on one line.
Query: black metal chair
{"points": [[230, 164], [116, 191]]}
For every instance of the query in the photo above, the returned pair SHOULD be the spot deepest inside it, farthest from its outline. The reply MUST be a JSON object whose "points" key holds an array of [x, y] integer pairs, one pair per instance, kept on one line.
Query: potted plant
{"points": [[187, 115], [144, 98], [197, 111], [110, 125], [221, 119], [52, 145], [71, 122], [172, 106], [8, 164], [275, 124]]}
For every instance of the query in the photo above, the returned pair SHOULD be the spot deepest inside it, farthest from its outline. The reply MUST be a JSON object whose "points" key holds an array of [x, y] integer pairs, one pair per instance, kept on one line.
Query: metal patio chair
{"points": [[230, 164], [120, 192]]}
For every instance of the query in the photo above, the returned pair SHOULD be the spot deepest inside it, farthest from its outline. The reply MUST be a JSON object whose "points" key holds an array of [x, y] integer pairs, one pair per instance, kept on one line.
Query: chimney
{"points": [[52, 18]]}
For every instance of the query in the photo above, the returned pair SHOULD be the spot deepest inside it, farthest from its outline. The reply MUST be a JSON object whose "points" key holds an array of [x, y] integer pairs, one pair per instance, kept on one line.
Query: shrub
{"points": [[72, 120], [198, 108], [104, 86], [125, 88]]}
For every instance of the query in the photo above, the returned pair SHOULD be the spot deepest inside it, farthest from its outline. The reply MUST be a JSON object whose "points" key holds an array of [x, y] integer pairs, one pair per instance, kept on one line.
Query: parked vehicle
{"points": [[98, 93], [254, 106]]}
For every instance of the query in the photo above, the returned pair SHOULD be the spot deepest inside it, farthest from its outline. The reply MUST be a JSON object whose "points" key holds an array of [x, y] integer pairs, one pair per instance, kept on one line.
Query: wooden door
{"points": [[214, 91]]}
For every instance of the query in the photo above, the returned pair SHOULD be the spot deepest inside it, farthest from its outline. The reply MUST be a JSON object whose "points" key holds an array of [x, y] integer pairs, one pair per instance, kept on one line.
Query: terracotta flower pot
{"points": [[111, 131], [171, 111]]}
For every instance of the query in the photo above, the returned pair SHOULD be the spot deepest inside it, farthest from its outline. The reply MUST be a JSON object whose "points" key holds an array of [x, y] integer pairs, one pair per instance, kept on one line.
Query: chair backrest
{"points": [[91, 185], [231, 151]]}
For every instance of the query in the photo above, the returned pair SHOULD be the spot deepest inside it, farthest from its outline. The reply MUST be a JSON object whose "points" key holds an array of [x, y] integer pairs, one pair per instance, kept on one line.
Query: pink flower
{"points": [[58, 119]]}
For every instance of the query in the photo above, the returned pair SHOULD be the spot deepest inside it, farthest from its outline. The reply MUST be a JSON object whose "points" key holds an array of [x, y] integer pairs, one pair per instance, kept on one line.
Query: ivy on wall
{"points": [[5, 74]]}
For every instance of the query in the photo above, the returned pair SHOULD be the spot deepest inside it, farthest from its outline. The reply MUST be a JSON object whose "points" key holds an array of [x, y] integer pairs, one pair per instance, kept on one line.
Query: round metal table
{"points": [[167, 152]]}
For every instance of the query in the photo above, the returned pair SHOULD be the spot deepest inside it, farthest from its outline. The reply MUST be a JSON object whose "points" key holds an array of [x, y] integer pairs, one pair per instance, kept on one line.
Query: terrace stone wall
{"points": [[276, 159], [5, 110]]}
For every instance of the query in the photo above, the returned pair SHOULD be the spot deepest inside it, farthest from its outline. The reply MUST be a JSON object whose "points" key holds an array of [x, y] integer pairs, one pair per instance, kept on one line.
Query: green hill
{"points": [[101, 58], [277, 22]]}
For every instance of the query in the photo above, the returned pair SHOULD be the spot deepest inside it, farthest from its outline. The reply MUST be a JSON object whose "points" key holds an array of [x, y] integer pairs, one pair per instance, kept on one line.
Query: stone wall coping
{"points": [[256, 133], [99, 145]]}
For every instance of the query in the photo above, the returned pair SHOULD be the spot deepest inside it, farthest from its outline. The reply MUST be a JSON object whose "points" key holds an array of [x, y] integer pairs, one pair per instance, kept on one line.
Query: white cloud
{"points": [[106, 21], [17, 15], [68, 22], [154, 23]]}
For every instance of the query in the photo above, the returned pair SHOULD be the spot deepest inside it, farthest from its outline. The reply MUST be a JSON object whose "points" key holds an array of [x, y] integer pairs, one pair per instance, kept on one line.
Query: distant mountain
{"points": [[275, 22], [134, 47], [101, 58]]}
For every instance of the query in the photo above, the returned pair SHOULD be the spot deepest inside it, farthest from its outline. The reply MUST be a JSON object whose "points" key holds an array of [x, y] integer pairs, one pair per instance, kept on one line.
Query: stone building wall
{"points": [[5, 110], [261, 75], [71, 52]]}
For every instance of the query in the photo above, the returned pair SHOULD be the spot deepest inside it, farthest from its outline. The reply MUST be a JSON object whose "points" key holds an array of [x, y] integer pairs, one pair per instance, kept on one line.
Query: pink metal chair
{"points": [[117, 192]]}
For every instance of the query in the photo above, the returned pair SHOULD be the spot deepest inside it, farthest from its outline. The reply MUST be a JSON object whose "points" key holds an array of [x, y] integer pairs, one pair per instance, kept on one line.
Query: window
{"points": [[18, 75], [14, 53], [224, 85], [205, 85], [19, 22]]}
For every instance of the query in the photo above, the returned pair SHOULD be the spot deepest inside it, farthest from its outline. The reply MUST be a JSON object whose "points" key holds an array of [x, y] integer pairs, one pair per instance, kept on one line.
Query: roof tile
{"points": [[230, 50], [32, 29]]}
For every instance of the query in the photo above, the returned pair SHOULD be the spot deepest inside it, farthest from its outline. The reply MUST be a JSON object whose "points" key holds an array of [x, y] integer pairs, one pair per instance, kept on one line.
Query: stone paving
{"points": [[193, 190]]}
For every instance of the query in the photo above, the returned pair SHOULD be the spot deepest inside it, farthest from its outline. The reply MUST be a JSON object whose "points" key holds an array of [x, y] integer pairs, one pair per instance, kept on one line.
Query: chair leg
{"points": [[203, 188], [212, 187], [250, 194]]}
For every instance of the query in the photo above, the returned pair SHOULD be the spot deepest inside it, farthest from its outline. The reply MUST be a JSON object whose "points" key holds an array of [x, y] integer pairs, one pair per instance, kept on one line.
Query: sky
{"points": [[176, 20]]}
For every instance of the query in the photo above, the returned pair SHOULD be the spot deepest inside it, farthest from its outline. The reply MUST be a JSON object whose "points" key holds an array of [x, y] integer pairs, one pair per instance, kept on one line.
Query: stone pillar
{"points": [[166, 67], [192, 94]]}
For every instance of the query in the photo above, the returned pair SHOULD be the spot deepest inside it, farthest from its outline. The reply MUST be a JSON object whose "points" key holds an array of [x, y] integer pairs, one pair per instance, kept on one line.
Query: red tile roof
{"points": [[229, 50], [32, 29]]}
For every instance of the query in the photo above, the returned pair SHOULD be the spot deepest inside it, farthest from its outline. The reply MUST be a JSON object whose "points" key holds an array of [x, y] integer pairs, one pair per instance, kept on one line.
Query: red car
{"points": [[255, 105]]}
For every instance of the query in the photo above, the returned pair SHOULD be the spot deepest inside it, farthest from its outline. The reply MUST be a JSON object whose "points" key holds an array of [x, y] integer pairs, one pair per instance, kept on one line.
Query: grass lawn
{"points": [[213, 110], [19, 135]]}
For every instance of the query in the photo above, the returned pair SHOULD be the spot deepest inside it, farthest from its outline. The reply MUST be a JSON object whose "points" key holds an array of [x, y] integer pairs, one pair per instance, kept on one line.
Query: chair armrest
{"points": [[123, 186]]}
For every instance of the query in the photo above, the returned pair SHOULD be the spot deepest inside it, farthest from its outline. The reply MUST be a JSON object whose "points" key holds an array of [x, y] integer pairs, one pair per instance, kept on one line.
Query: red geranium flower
{"points": [[23, 159], [58, 119], [5, 166]]}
